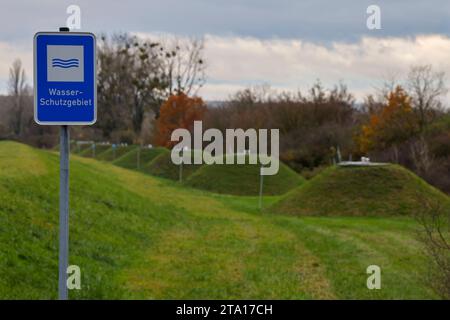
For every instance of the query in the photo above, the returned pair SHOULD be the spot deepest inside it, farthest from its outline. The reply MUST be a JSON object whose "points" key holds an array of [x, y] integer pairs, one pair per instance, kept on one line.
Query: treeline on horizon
{"points": [[146, 89]]}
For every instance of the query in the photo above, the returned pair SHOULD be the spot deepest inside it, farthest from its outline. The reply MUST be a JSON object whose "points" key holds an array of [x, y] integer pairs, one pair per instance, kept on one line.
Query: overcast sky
{"points": [[288, 44]]}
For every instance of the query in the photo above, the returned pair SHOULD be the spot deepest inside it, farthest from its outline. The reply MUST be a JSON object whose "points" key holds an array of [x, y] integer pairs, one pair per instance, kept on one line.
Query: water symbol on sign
{"points": [[61, 63]]}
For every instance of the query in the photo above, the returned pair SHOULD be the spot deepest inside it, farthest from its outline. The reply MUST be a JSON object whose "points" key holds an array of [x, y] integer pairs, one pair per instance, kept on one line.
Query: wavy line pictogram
{"points": [[65, 63]]}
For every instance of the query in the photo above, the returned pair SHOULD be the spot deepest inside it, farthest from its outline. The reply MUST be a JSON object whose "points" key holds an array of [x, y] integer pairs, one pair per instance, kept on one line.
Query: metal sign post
{"points": [[63, 212], [65, 93]]}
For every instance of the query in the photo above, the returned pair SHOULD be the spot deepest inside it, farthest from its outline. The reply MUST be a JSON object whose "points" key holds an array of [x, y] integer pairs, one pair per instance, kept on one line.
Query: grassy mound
{"points": [[129, 160], [76, 148], [243, 179], [137, 237], [112, 155], [359, 191], [99, 149], [162, 166]]}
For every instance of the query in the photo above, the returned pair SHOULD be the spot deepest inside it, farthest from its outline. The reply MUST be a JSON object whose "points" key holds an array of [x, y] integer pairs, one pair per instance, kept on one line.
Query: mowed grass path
{"points": [[137, 236]]}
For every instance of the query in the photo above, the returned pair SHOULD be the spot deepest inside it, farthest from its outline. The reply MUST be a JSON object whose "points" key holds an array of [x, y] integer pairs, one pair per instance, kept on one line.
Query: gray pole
{"points": [[93, 150], [261, 180], [64, 148], [63, 212], [181, 172]]}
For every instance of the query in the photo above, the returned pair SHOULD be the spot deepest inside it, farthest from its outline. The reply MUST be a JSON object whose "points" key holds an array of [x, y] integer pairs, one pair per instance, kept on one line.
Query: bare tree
{"points": [[185, 66], [425, 87], [135, 75], [421, 156], [434, 219], [131, 82], [389, 81], [19, 93]]}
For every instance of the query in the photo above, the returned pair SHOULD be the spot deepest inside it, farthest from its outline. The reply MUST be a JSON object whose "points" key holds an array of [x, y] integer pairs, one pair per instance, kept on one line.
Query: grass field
{"points": [[243, 179], [138, 236], [111, 155], [77, 148], [89, 152], [162, 166], [360, 191], [237, 179], [130, 160]]}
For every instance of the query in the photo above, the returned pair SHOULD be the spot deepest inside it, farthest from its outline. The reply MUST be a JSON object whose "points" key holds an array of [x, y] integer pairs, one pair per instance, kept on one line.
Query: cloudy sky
{"points": [[285, 43]]}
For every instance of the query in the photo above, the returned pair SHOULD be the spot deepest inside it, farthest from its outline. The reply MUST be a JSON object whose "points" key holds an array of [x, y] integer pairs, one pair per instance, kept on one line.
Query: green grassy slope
{"points": [[111, 155], [73, 147], [129, 159], [359, 191], [137, 236], [76, 148], [243, 179], [99, 149], [162, 166]]}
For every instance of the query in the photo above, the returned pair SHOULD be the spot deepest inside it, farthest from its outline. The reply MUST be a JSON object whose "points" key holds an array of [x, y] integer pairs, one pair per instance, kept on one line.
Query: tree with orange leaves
{"points": [[394, 123], [178, 111]]}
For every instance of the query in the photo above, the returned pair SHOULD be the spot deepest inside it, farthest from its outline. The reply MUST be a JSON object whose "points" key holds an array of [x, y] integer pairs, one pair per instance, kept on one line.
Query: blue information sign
{"points": [[65, 89]]}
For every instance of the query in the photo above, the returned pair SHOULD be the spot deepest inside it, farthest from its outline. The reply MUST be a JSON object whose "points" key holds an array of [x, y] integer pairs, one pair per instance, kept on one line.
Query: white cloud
{"points": [[10, 52], [294, 63], [237, 62]]}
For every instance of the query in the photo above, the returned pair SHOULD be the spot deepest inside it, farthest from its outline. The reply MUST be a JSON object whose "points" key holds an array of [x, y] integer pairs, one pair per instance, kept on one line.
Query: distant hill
{"points": [[215, 103]]}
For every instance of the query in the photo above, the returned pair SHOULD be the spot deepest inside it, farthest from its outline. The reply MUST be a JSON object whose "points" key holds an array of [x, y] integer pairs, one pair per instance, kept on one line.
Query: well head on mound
{"points": [[359, 191], [243, 179]]}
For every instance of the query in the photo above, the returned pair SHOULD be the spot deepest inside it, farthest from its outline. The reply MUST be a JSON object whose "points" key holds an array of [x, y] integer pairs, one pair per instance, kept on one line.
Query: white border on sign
{"points": [[64, 33]]}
